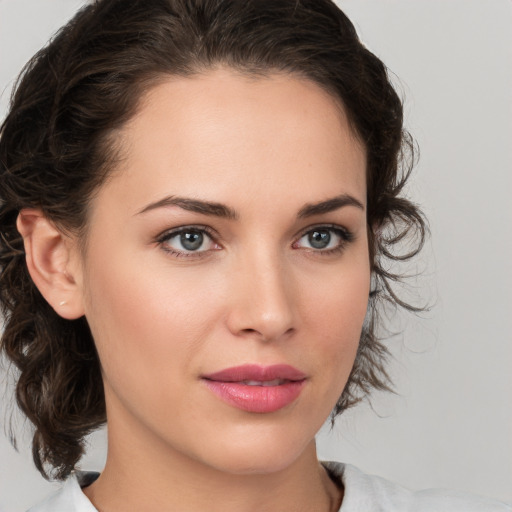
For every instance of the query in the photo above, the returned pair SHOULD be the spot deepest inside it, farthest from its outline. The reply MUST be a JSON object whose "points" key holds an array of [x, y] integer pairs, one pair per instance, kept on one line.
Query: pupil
{"points": [[319, 239], [191, 240]]}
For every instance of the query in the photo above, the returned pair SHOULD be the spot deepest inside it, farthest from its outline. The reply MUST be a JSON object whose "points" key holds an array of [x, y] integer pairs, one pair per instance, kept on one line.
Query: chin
{"points": [[263, 453]]}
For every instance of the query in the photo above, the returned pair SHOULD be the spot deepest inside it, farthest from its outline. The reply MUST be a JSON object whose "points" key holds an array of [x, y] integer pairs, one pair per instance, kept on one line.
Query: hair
{"points": [[57, 146]]}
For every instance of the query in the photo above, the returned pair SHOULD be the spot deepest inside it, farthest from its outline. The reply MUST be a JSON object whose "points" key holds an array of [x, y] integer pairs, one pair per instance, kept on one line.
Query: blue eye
{"points": [[319, 239], [186, 241], [324, 239], [191, 240]]}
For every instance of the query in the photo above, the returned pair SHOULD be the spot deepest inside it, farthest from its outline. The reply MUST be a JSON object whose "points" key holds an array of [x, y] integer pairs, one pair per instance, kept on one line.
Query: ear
{"points": [[53, 263]]}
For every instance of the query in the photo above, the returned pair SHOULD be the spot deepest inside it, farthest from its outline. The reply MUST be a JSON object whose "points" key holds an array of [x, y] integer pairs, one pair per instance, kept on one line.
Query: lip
{"points": [[238, 386]]}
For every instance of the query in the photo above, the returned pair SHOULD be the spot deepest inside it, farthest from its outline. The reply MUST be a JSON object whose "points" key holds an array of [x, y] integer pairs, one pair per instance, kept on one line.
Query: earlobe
{"points": [[51, 263]]}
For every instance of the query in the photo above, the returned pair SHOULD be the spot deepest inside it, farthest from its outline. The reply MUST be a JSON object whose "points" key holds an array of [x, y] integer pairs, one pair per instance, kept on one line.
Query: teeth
{"points": [[275, 382]]}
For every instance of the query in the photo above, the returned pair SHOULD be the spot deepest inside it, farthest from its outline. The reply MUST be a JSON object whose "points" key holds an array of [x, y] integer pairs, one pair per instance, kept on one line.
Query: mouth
{"points": [[257, 389], [275, 382]]}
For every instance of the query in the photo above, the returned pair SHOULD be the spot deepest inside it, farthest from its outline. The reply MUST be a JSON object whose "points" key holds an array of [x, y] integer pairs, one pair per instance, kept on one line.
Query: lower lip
{"points": [[260, 399]]}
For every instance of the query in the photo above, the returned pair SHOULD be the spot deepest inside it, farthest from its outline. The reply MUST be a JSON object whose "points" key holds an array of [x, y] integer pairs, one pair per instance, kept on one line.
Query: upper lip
{"points": [[254, 372]]}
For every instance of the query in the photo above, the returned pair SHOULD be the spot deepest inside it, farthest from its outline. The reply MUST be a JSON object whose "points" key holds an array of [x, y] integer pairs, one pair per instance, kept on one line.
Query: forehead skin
{"points": [[220, 118]]}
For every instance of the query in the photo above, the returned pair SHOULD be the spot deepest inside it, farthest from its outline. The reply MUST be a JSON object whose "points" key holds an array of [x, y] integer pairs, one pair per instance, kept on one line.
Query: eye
{"points": [[324, 239], [187, 241]]}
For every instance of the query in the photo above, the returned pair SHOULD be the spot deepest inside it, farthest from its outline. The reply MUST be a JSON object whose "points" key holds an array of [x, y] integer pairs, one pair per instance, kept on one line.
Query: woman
{"points": [[198, 200]]}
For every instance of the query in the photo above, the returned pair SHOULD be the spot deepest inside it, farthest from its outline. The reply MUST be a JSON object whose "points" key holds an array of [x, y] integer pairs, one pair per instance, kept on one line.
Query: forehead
{"points": [[221, 131]]}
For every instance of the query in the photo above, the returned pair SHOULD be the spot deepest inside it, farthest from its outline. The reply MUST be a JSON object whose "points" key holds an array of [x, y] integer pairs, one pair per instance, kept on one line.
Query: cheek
{"points": [[336, 316], [148, 318]]}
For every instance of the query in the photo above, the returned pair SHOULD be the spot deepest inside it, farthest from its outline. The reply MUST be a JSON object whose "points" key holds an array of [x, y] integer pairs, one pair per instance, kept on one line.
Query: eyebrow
{"points": [[193, 205], [223, 211], [329, 205]]}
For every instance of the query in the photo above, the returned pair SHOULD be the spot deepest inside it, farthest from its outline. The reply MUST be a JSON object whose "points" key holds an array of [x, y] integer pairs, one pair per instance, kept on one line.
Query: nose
{"points": [[262, 299]]}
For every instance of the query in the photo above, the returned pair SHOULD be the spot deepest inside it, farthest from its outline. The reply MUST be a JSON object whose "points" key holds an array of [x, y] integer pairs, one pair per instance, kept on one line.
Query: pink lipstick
{"points": [[254, 388]]}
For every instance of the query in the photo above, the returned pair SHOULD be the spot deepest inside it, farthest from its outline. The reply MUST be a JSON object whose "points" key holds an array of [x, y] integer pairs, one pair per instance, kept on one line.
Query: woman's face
{"points": [[226, 275]]}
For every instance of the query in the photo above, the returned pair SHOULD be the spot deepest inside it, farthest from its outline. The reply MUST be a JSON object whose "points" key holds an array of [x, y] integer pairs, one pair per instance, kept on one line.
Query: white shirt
{"points": [[363, 493]]}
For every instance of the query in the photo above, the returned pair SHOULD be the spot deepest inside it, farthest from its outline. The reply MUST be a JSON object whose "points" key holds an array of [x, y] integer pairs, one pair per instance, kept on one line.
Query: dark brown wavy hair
{"points": [[57, 148]]}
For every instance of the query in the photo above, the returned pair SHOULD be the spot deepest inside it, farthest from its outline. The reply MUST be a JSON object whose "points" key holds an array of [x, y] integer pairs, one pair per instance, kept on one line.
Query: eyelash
{"points": [[168, 235], [344, 234]]}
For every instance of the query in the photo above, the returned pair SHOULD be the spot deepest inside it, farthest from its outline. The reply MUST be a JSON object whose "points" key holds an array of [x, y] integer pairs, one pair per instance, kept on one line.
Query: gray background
{"points": [[450, 425]]}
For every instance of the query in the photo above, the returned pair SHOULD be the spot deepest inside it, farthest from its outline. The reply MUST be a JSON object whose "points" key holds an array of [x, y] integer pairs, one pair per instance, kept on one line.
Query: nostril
{"points": [[266, 334], [262, 308]]}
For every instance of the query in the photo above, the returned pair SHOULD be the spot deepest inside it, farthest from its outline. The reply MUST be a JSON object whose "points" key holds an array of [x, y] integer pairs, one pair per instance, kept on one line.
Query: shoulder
{"points": [[368, 492], [69, 498]]}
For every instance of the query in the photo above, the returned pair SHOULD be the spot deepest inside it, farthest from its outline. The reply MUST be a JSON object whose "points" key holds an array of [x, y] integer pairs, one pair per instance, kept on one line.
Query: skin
{"points": [[257, 291]]}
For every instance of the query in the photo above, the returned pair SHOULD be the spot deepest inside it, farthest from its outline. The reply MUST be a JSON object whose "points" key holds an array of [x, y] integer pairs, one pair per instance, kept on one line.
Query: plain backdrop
{"points": [[450, 423]]}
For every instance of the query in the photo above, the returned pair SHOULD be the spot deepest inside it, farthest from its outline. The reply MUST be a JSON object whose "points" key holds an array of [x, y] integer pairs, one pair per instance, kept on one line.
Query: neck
{"points": [[147, 476]]}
